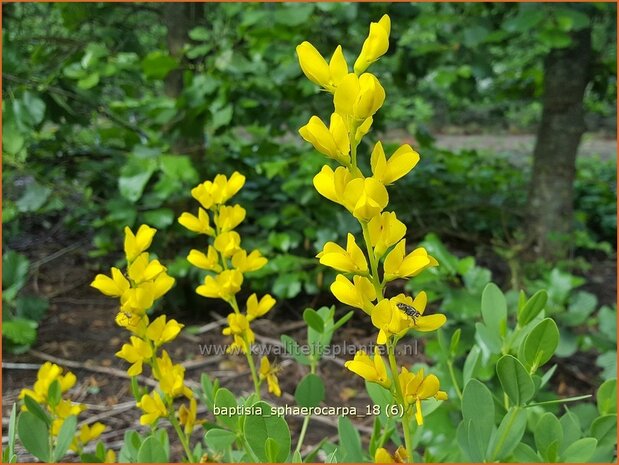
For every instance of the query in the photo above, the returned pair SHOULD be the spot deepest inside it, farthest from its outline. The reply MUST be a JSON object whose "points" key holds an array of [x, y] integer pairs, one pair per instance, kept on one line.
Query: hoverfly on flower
{"points": [[409, 310]]}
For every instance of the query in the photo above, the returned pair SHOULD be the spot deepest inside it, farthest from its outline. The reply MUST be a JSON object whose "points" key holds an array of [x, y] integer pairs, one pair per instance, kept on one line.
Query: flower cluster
{"points": [[47, 391], [357, 96], [145, 281], [226, 264]]}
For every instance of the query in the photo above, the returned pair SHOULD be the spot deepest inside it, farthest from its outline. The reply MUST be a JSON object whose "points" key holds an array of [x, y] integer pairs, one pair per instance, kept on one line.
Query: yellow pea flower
{"points": [[365, 198], [153, 408], [162, 284], [420, 322], [269, 372], [46, 375], [256, 309], [66, 408], [382, 455], [358, 97], [200, 224], [359, 294], [142, 269], [187, 416], [229, 217], [138, 300], [238, 327], [373, 370], [110, 456], [317, 70], [161, 331], [332, 141], [171, 377], [417, 387], [246, 263], [135, 353], [399, 164], [218, 191], [227, 243], [389, 320], [351, 260], [332, 184], [376, 44], [222, 286], [208, 261], [114, 286], [132, 322], [86, 434], [135, 244], [397, 265], [385, 230]]}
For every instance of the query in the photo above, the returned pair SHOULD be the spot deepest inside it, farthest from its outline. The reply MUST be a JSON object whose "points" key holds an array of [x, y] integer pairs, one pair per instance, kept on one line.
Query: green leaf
{"points": [[604, 429], [607, 397], [219, 439], [489, 341], [34, 198], [134, 176], [159, 218], [12, 431], [200, 33], [65, 436], [478, 414], [12, 140], [34, 408], [548, 431], [531, 309], [271, 449], [515, 380], [34, 435], [225, 402], [580, 451], [523, 453], [221, 117], [455, 340], [20, 331], [152, 451], [260, 428], [494, 309], [89, 81], [510, 432], [541, 343], [313, 320], [310, 391], [157, 65], [53, 393], [293, 348], [526, 20], [350, 449], [31, 307], [570, 425], [470, 364]]}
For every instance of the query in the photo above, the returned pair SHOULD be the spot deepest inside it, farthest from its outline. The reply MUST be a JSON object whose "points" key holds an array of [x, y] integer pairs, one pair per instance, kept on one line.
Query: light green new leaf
{"points": [[541, 343], [607, 397], [494, 309], [515, 380]]}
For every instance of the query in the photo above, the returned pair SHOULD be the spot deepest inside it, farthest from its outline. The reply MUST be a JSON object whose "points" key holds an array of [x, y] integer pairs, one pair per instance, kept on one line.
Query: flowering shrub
{"points": [[496, 407]]}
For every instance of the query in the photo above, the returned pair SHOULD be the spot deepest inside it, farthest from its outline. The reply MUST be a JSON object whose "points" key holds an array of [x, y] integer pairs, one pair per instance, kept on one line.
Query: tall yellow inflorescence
{"points": [[364, 275], [143, 282], [226, 264]]}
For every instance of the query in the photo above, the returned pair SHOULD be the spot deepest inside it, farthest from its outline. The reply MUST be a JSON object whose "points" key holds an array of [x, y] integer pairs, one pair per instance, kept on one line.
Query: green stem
{"points": [[453, 379], [306, 421], [182, 437], [405, 420], [373, 261], [250, 360]]}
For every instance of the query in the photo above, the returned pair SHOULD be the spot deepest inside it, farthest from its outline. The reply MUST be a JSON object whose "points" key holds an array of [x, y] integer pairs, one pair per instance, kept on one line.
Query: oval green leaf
{"points": [[515, 380]]}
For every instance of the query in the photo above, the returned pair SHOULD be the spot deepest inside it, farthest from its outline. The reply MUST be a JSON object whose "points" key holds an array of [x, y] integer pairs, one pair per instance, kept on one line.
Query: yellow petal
{"points": [[313, 64]]}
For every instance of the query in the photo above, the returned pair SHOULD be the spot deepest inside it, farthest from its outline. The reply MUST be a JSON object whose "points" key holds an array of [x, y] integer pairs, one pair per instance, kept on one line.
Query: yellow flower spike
{"points": [[153, 408], [135, 353], [218, 191], [208, 261], [187, 416], [229, 217], [359, 294], [269, 372], [358, 97], [385, 230], [137, 243], [256, 309], [365, 198], [246, 263], [114, 286], [373, 370], [227, 243], [171, 377], [397, 265], [351, 260], [142, 269], [86, 434], [161, 331], [376, 44], [200, 224], [389, 320], [332, 141], [238, 327], [332, 184], [420, 322], [399, 164], [46, 375], [317, 70], [132, 322], [223, 286]]}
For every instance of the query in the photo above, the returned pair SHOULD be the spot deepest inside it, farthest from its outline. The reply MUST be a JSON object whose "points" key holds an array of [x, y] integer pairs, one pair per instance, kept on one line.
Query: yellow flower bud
{"points": [[142, 269], [229, 217], [351, 260], [138, 243], [376, 44], [247, 263], [385, 230], [209, 261], [199, 224], [115, 286], [399, 164], [373, 370], [269, 372], [218, 191], [360, 293], [317, 70], [358, 97], [227, 243], [332, 141], [161, 332], [397, 265], [223, 286], [257, 309]]}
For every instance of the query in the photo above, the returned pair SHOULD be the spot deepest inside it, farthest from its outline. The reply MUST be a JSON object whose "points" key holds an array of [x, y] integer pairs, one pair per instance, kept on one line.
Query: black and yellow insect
{"points": [[410, 311]]}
